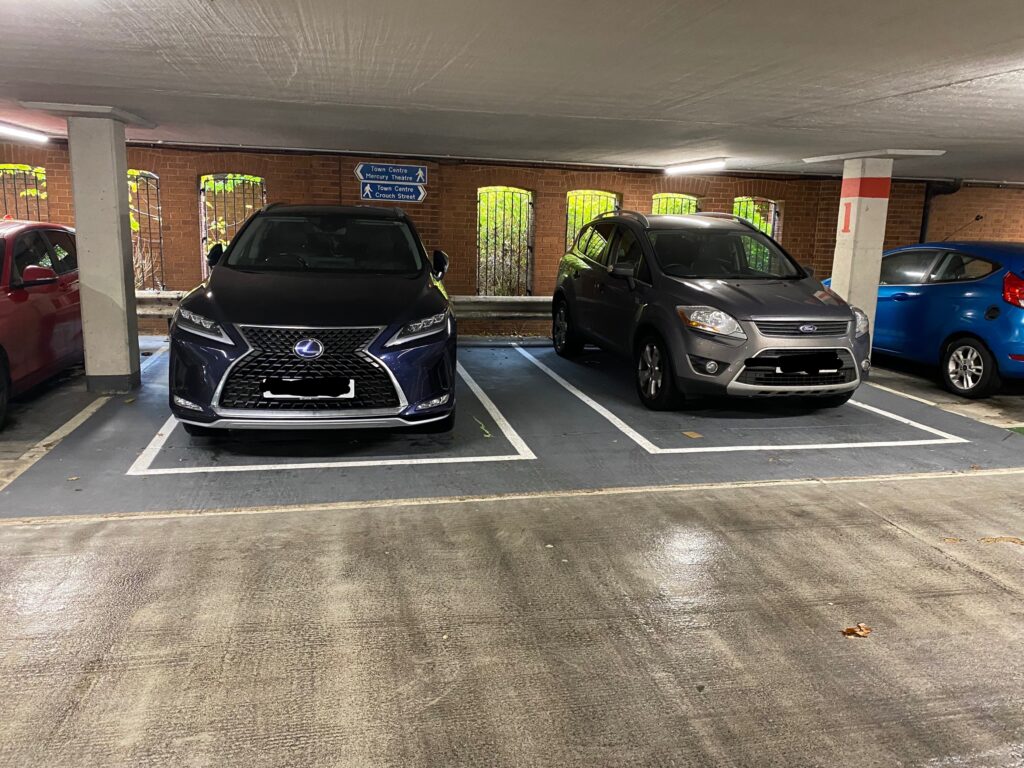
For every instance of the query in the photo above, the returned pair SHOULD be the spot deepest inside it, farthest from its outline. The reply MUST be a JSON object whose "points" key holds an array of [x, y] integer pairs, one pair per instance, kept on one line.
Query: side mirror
{"points": [[440, 264], [623, 273], [34, 275], [808, 270], [214, 254]]}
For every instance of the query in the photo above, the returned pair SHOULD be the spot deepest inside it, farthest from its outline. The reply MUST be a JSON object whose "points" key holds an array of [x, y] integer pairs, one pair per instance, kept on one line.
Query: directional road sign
{"points": [[396, 193], [393, 174]]}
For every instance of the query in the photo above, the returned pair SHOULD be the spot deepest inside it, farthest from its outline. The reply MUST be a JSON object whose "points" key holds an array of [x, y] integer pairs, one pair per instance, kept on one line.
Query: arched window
{"points": [[147, 229], [759, 211], [583, 206], [504, 241], [226, 200], [674, 204], [23, 192]]}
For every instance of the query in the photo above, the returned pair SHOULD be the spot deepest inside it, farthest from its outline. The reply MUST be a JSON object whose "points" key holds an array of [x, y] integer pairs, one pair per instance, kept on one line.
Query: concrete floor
{"points": [[653, 628]]}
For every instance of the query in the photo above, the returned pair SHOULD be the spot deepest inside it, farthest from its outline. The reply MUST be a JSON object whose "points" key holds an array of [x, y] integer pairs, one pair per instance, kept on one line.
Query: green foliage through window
{"points": [[146, 220], [226, 200], [759, 211], [674, 204], [504, 241], [582, 207], [23, 192]]}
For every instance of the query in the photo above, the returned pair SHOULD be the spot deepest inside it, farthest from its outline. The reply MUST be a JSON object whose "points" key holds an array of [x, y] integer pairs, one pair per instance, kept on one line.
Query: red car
{"points": [[40, 317]]}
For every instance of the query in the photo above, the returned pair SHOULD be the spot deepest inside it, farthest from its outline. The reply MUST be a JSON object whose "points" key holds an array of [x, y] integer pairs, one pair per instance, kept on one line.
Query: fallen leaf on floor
{"points": [[693, 435], [976, 467], [130, 400], [549, 546], [861, 630], [1002, 539], [952, 540], [483, 428], [72, 479], [700, 689]]}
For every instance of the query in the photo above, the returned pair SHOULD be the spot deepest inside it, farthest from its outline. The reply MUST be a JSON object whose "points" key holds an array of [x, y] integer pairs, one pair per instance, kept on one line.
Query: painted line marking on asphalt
{"points": [[941, 438], [143, 465], [434, 501], [51, 441], [902, 394]]}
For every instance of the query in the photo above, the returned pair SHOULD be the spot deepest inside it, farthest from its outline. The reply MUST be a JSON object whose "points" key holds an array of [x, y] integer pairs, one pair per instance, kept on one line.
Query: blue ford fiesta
{"points": [[317, 317], [958, 305]]}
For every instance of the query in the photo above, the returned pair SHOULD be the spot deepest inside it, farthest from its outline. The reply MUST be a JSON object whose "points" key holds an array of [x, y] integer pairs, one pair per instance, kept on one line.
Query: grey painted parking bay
{"points": [[520, 412]]}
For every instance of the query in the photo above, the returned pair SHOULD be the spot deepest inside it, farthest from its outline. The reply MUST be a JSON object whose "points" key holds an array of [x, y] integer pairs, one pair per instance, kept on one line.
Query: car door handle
{"points": [[903, 296]]}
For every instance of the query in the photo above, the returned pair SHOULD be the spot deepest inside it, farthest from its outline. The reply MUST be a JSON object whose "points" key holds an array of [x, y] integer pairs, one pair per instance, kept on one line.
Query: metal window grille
{"points": [[23, 192], [583, 206], [504, 241], [146, 219], [673, 204], [759, 211], [226, 200]]}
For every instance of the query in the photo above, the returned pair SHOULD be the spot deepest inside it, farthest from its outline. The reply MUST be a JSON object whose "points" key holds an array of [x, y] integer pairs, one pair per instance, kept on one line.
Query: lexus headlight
{"points": [[862, 321], [201, 326], [421, 328], [711, 320]]}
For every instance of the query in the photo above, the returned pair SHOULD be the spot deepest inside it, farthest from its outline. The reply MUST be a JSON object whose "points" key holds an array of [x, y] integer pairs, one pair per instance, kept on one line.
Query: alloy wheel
{"points": [[649, 370], [561, 330], [965, 367]]}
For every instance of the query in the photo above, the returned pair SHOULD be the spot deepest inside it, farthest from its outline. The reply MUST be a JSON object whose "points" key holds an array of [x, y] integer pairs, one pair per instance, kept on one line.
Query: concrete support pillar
{"points": [[863, 205], [99, 179]]}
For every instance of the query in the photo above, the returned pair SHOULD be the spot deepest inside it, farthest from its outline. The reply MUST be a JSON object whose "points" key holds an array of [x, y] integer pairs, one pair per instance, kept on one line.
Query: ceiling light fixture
{"points": [[877, 153], [697, 166], [24, 134]]}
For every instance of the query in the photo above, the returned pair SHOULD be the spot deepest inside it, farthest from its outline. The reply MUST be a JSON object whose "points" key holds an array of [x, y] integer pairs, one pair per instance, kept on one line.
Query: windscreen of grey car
{"points": [[327, 244], [721, 254]]}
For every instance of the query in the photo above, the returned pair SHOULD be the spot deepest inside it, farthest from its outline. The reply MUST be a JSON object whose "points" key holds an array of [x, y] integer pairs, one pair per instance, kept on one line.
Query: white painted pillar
{"points": [[99, 180], [860, 235]]}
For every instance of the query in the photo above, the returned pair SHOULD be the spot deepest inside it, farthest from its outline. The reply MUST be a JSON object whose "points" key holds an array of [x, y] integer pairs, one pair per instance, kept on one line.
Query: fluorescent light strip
{"points": [[697, 166], [23, 134]]}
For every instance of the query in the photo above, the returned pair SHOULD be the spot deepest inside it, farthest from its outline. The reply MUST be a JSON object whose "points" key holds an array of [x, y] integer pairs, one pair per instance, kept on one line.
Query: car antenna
{"points": [[979, 217]]}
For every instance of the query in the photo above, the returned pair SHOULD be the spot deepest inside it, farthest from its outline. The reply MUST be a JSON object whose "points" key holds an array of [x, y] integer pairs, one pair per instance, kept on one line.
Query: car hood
{"points": [[317, 299], [755, 299]]}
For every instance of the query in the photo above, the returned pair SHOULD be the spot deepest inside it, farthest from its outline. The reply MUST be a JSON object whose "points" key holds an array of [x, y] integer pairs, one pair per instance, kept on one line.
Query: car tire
{"points": [[969, 369], [654, 374], [447, 424], [564, 336], [194, 430], [5, 391], [830, 401]]}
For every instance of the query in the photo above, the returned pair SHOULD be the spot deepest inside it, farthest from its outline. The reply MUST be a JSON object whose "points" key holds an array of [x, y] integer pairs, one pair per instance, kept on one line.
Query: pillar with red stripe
{"points": [[863, 206]]}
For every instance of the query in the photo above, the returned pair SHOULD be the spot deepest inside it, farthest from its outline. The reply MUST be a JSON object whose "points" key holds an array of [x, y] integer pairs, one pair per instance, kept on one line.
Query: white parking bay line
{"points": [[941, 438], [143, 465]]}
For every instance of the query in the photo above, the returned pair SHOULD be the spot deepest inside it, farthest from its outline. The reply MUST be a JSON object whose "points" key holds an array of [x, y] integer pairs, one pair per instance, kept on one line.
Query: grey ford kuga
{"points": [[706, 304]]}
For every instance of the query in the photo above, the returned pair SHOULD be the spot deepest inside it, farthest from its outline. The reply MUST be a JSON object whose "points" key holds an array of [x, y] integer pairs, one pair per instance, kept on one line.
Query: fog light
{"points": [[865, 365], [711, 367], [181, 402], [428, 404]]}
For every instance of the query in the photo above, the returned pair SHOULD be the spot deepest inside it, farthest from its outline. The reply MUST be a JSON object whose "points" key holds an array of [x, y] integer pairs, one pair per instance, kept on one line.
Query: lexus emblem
{"points": [[808, 328], [308, 349]]}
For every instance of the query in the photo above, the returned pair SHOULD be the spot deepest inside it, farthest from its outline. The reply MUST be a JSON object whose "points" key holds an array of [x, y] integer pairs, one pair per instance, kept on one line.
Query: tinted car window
{"points": [[721, 254], [597, 245], [628, 251], [346, 244], [954, 267], [65, 255], [30, 250], [906, 268]]}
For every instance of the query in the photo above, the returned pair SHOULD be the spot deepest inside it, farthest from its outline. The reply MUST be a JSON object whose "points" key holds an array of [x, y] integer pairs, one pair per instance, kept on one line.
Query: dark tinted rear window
{"points": [[723, 254], [327, 243]]}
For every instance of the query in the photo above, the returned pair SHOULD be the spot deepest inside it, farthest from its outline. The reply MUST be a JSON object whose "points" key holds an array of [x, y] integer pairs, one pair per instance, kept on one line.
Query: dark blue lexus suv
{"points": [[317, 317]]}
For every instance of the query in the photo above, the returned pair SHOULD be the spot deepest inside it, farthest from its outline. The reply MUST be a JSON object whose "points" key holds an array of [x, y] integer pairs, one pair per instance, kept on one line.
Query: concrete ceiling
{"points": [[647, 83]]}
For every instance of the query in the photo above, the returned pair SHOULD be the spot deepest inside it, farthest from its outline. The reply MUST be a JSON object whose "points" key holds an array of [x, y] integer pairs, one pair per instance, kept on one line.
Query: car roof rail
{"points": [[636, 215], [729, 217]]}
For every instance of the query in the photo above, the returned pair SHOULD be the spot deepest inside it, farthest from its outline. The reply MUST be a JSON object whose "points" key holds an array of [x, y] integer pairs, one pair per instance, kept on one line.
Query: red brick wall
{"points": [[1003, 209], [447, 218]]}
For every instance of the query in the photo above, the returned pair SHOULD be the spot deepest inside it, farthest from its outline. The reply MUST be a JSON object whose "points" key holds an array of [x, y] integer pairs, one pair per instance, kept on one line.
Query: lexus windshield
{"points": [[343, 244], [721, 254]]}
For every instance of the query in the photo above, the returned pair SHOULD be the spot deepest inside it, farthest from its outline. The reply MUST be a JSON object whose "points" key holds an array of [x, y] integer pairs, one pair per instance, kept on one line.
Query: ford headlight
{"points": [[421, 328], [196, 324], [861, 318], [711, 320]]}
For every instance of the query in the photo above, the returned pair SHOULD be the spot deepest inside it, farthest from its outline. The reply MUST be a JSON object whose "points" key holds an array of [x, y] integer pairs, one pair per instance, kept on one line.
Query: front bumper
{"points": [[736, 359], [419, 372]]}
